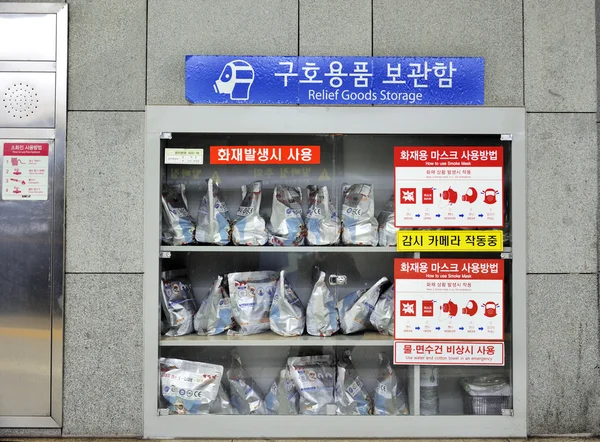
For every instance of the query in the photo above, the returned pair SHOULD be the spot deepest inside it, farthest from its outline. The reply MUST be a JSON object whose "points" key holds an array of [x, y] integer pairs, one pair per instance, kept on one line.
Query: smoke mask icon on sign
{"points": [[235, 80]]}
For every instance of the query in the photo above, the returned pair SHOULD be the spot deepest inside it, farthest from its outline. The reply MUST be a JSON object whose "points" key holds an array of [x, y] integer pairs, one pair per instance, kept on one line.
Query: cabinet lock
{"points": [[338, 280]]}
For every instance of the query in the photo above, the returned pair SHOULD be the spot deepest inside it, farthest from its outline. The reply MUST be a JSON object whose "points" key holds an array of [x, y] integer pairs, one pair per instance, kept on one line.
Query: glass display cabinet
{"points": [[272, 285]]}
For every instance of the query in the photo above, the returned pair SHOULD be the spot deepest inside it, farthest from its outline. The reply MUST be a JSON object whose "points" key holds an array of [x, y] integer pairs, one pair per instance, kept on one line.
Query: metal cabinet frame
{"points": [[58, 135], [163, 120]]}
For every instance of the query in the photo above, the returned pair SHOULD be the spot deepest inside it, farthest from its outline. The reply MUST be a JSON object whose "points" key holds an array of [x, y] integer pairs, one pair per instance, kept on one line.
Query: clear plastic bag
{"points": [[214, 315], [249, 227], [356, 308], [322, 318], [287, 316], [251, 296], [390, 395], [387, 230], [351, 397], [213, 225], [359, 226], [189, 387], [313, 377], [178, 225], [429, 396], [222, 403], [246, 396], [382, 317], [286, 227], [282, 397], [178, 302], [322, 223]]}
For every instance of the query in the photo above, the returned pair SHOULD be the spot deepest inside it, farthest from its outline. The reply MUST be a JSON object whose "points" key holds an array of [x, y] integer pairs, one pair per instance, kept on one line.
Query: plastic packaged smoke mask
{"points": [[189, 387], [287, 317], [359, 226], [286, 227], [249, 228], [356, 308], [246, 396], [313, 377], [178, 302], [251, 296], [213, 226], [322, 223], [214, 315], [382, 317], [322, 317], [178, 224]]}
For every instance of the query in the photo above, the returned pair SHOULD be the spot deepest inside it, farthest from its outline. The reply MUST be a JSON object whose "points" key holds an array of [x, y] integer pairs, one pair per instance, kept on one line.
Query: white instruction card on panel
{"points": [[184, 156], [448, 186], [449, 299]]}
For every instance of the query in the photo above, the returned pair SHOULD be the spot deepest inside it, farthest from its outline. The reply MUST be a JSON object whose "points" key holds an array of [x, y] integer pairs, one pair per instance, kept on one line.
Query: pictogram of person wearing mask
{"points": [[235, 80]]}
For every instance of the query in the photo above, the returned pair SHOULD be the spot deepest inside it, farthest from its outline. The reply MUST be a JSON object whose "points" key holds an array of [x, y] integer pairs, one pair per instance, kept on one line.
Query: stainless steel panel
{"points": [[31, 290], [30, 37], [27, 99], [27, 66], [58, 257], [25, 318]]}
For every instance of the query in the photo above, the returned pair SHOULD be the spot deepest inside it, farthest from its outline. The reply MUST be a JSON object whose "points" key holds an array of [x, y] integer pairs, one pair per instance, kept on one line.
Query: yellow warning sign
{"points": [[324, 176], [449, 241]]}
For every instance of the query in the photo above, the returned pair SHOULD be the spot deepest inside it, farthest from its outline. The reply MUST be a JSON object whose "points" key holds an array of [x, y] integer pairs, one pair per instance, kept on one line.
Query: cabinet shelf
{"points": [[270, 339], [299, 249]]}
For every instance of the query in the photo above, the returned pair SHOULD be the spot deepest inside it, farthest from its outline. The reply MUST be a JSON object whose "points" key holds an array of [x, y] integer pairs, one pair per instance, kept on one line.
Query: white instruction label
{"points": [[184, 156]]}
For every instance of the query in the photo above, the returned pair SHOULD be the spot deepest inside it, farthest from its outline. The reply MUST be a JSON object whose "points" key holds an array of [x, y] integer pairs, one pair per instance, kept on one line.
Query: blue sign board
{"points": [[221, 79]]}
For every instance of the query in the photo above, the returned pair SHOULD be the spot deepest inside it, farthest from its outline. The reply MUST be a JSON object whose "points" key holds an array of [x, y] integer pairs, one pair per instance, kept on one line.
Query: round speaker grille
{"points": [[20, 100]]}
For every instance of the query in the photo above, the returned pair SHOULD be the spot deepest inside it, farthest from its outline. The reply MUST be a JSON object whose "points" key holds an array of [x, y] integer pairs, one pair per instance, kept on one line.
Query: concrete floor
{"points": [[535, 439]]}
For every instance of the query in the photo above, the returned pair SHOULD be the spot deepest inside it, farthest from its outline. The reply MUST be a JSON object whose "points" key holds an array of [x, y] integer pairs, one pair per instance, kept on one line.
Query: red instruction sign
{"points": [[25, 171], [448, 353], [449, 299], [26, 149], [448, 186], [265, 154]]}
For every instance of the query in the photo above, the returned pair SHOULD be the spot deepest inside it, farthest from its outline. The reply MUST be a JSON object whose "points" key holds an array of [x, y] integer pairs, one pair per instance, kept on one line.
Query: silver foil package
{"points": [[213, 224], [178, 302], [355, 309], [382, 317], [246, 396], [222, 403], [214, 315], [251, 295], [189, 387], [282, 397], [322, 223], [322, 318], [286, 227], [359, 226], [249, 227], [178, 224], [351, 397], [387, 230], [390, 396], [313, 377], [429, 397], [287, 317]]}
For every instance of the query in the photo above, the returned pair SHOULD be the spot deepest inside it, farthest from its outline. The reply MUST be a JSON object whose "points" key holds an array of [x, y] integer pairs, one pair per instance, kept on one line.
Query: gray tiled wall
{"points": [[124, 55], [471, 28], [238, 27]]}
